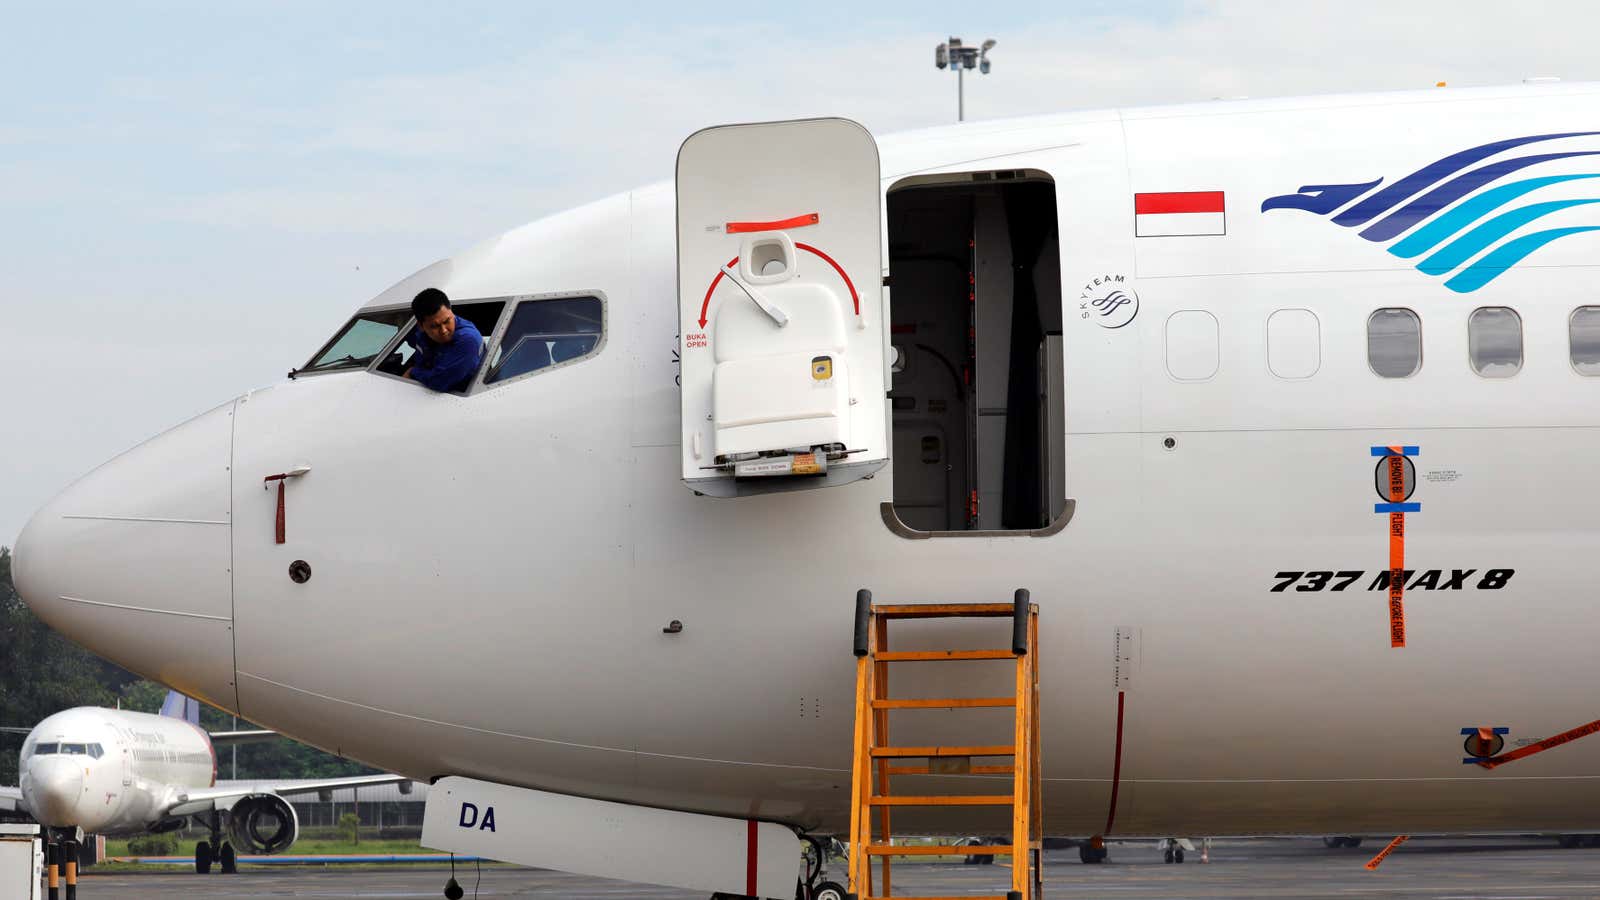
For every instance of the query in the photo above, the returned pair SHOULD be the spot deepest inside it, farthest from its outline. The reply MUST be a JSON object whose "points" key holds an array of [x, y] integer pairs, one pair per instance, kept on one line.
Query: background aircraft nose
{"points": [[52, 789], [132, 560]]}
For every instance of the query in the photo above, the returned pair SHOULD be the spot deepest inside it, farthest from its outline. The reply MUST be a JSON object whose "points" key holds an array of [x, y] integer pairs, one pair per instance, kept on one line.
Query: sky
{"points": [[196, 194]]}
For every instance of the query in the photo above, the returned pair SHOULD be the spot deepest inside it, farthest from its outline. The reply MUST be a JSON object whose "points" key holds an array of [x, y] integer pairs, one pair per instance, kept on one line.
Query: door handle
{"points": [[295, 472], [281, 478]]}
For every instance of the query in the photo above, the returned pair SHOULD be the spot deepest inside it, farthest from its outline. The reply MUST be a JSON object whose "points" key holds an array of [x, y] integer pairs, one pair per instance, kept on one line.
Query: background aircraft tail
{"points": [[180, 707]]}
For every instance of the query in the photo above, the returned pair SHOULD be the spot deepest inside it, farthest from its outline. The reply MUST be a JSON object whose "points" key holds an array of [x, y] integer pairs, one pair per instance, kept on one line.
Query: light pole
{"points": [[960, 58]]}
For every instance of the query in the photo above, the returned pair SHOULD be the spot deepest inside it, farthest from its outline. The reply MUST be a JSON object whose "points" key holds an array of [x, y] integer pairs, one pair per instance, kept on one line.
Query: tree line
{"points": [[42, 673]]}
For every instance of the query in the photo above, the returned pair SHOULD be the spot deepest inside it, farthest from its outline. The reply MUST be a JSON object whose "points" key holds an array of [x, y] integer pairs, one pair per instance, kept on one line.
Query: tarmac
{"points": [[1437, 869]]}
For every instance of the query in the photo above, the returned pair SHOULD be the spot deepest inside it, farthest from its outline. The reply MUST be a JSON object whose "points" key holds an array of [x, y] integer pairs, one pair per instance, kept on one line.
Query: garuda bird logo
{"points": [[1459, 214]]}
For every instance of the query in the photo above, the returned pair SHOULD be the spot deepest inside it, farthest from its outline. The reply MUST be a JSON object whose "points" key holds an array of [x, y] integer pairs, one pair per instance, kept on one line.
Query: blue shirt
{"points": [[446, 367]]}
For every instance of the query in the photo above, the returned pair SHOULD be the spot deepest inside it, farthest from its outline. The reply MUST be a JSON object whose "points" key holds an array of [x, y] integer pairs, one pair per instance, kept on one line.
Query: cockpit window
{"points": [[46, 749], [484, 315], [75, 749], [547, 332], [96, 751], [360, 341]]}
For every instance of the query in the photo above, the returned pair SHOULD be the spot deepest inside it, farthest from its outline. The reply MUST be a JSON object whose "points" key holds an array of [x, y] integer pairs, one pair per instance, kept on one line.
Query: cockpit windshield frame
{"points": [[491, 340], [490, 368], [64, 748], [355, 365]]}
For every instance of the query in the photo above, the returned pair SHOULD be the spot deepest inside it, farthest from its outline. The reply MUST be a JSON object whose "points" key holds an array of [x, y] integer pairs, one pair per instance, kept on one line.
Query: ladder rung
{"points": [[940, 655], [944, 610], [988, 750], [955, 897], [971, 770], [945, 703], [942, 800], [937, 850]]}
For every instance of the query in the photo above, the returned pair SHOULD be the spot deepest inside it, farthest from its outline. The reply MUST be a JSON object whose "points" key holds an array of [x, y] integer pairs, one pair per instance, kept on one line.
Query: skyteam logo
{"points": [[1462, 219]]}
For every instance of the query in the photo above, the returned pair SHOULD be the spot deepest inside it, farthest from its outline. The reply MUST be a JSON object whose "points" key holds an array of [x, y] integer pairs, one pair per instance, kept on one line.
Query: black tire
{"points": [[1177, 855], [229, 860], [1352, 842], [202, 858], [828, 890], [1167, 857]]}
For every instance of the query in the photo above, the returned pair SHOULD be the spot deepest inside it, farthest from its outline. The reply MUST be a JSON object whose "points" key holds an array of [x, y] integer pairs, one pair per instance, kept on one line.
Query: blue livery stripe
{"points": [[1430, 235], [1451, 214], [1391, 196], [1454, 190], [1507, 255], [1396, 507], [1478, 239], [1405, 450]]}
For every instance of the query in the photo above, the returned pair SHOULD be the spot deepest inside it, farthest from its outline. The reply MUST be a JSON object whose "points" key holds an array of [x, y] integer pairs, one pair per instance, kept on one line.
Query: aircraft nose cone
{"points": [[132, 560], [54, 784]]}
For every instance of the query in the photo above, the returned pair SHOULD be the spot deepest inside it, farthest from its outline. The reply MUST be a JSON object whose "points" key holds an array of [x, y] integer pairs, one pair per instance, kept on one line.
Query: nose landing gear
{"points": [[818, 851]]}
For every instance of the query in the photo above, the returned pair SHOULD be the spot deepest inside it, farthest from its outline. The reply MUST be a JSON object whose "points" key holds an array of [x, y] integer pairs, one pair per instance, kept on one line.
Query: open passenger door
{"points": [[780, 307]]}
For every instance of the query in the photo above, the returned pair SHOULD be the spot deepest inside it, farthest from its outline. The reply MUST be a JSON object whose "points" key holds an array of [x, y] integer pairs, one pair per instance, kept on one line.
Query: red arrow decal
{"points": [[706, 303], [855, 299]]}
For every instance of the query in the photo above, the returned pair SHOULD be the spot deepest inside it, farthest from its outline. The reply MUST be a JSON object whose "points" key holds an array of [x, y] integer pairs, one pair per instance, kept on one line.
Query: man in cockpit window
{"points": [[448, 346]]}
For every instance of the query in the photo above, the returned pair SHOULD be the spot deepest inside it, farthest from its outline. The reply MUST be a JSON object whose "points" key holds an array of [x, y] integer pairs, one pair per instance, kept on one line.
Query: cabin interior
{"points": [[976, 389]]}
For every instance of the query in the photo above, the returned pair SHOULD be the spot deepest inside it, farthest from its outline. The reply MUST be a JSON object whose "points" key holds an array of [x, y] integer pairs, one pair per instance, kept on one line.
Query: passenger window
{"points": [[360, 341], [1494, 341], [1294, 343], [1192, 352], [1394, 343], [1583, 330], [545, 332]]}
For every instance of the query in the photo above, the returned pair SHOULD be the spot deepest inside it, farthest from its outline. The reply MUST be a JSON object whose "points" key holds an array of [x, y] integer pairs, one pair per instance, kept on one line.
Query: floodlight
{"points": [[958, 58]]}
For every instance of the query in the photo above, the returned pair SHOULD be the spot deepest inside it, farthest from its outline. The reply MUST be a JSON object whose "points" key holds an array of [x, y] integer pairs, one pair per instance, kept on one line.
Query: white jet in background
{"points": [[117, 772]]}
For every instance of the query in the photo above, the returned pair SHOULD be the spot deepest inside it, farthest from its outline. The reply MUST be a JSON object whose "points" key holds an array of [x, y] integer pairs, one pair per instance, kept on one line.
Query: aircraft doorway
{"points": [[976, 390]]}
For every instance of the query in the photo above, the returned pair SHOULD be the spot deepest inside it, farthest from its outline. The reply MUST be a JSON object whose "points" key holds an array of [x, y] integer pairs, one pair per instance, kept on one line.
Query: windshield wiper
{"points": [[345, 360]]}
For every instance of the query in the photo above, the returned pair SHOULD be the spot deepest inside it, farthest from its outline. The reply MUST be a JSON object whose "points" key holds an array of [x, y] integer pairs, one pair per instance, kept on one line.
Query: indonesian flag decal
{"points": [[1179, 213]]}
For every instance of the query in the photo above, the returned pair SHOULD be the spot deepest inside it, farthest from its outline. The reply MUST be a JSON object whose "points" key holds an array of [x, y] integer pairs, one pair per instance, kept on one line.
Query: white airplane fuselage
{"points": [[111, 771], [491, 574]]}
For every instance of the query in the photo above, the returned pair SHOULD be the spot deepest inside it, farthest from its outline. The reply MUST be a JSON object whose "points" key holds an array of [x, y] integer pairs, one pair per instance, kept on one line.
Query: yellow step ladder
{"points": [[877, 761]]}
